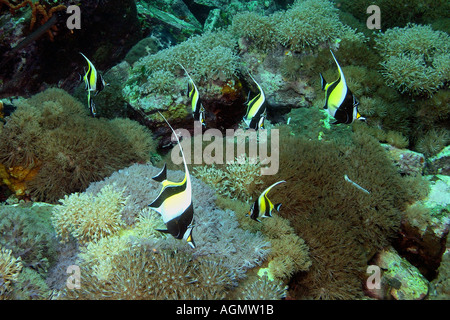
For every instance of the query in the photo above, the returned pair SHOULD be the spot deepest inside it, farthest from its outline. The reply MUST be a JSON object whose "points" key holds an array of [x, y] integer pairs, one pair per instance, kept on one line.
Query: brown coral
{"points": [[51, 147], [10, 268], [342, 225]]}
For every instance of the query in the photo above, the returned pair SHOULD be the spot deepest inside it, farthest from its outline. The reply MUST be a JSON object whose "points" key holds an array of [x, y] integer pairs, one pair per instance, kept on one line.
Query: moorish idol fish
{"points": [[255, 109], [198, 111], [174, 202], [340, 101], [94, 83], [263, 206]]}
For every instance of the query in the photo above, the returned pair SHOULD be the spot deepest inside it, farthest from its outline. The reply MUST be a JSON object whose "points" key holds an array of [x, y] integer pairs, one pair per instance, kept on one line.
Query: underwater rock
{"points": [[214, 20], [149, 45], [32, 62], [231, 7], [408, 162], [440, 287], [169, 21], [282, 93], [440, 164], [399, 279], [424, 228]]}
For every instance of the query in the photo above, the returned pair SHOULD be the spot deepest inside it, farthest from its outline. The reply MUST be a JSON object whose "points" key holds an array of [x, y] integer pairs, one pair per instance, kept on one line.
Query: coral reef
{"points": [[143, 273], [408, 162], [432, 142], [111, 267], [217, 231], [30, 285], [439, 164], [289, 253], [26, 230], [399, 280], [441, 285], [401, 12], [157, 80], [44, 154], [306, 25], [38, 10], [327, 212], [237, 180], [368, 193], [89, 218], [10, 268], [261, 288], [415, 58], [425, 226], [31, 62]]}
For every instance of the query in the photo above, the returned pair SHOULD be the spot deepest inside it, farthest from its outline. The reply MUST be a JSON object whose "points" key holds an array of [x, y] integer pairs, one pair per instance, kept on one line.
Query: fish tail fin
{"points": [[162, 231], [162, 175], [278, 207]]}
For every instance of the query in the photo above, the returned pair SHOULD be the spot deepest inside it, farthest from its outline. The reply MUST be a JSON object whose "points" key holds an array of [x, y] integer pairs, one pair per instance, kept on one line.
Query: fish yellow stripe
{"points": [[255, 107], [193, 95]]}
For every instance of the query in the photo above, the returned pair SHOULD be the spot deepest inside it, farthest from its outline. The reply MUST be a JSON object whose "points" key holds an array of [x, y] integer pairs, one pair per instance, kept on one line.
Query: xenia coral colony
{"points": [[50, 146], [307, 24], [416, 58], [138, 262]]}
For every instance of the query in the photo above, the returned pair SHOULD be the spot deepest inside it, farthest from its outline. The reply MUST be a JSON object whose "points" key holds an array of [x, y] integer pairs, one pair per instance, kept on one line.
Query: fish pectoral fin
{"points": [[162, 175]]}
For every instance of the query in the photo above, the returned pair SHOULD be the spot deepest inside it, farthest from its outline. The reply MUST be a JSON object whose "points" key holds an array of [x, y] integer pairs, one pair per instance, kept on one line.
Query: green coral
{"points": [[415, 58], [401, 12], [27, 231], [306, 25], [157, 80]]}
